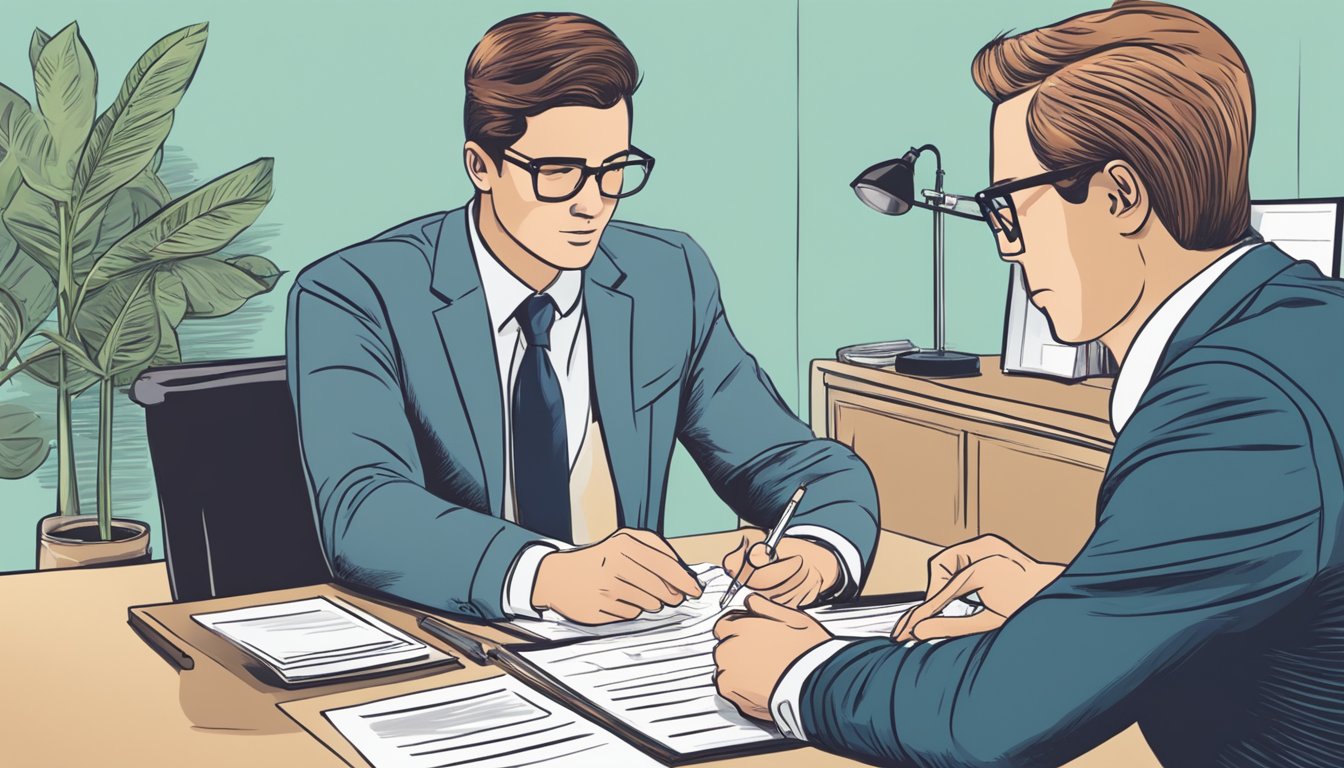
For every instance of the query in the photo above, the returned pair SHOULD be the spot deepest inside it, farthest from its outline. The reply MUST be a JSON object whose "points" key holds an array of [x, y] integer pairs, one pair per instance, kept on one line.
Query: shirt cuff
{"points": [[784, 702], [518, 585], [851, 565]]}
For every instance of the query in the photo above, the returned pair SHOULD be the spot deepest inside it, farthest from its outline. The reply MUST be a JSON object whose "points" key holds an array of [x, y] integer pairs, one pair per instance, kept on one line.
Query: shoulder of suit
{"points": [[403, 252]]}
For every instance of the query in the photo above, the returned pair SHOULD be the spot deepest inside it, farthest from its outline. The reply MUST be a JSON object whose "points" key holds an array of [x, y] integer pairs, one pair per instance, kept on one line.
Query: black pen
{"points": [[466, 644]]}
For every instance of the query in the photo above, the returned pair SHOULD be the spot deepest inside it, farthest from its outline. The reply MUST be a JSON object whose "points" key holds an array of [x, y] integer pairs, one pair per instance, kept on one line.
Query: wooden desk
{"points": [[1018, 456], [80, 688]]}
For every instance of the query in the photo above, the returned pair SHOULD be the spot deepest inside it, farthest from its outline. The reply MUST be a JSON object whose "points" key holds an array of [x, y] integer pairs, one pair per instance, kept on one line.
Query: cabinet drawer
{"points": [[917, 458], [1039, 494]]}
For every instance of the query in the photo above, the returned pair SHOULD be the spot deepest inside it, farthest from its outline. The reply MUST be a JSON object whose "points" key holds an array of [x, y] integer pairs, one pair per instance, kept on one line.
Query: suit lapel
{"points": [[468, 341], [610, 324]]}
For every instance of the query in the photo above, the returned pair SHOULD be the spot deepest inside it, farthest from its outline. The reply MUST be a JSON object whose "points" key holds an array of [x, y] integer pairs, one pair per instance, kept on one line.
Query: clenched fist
{"points": [[629, 572]]}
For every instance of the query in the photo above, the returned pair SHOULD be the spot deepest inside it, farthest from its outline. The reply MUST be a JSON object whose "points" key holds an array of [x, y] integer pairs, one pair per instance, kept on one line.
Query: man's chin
{"points": [[575, 255]]}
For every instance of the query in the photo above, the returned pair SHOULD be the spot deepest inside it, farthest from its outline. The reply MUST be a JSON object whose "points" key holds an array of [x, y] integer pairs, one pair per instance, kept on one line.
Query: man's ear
{"points": [[478, 164], [1127, 196]]}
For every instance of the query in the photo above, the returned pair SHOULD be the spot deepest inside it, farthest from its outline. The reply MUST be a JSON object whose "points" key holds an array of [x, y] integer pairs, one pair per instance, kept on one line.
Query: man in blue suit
{"points": [[488, 399], [1208, 605]]}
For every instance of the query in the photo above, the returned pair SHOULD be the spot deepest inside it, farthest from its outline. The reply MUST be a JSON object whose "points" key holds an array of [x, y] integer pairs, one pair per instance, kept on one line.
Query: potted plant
{"points": [[119, 263]]}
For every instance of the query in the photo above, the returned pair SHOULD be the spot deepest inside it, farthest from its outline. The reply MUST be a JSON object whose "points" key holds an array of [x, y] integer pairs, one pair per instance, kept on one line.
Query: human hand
{"points": [[756, 647], [801, 572], [629, 572], [1004, 577]]}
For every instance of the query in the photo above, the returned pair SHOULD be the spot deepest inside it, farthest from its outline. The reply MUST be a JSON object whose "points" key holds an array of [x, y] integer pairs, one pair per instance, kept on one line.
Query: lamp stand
{"points": [[939, 362]]}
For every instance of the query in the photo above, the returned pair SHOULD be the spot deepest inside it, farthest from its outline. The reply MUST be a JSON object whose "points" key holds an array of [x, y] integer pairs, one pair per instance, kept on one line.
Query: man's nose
{"points": [[588, 202]]}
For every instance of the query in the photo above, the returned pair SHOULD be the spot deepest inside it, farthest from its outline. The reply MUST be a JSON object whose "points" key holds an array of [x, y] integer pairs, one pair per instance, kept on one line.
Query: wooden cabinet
{"points": [[1015, 456]]}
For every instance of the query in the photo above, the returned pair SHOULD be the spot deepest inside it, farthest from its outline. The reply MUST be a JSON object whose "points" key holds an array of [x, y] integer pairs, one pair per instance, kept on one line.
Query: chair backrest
{"points": [[237, 517]]}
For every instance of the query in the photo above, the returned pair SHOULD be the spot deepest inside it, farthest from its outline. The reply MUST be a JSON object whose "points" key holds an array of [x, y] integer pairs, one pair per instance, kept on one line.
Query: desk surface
{"points": [[83, 689]]}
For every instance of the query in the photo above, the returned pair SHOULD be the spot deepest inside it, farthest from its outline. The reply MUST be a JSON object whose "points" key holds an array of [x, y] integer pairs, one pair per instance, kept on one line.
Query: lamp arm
{"points": [[937, 156], [949, 211]]}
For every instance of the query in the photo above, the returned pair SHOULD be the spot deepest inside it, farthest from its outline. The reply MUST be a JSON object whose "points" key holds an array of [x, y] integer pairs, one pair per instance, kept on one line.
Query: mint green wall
{"points": [[360, 104]]}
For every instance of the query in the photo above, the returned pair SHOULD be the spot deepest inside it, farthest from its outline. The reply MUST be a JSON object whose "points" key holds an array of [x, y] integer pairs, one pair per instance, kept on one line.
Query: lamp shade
{"points": [[889, 186]]}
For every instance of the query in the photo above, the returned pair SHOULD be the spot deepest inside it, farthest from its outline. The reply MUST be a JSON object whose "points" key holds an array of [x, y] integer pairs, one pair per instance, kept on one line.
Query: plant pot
{"points": [[71, 541]]}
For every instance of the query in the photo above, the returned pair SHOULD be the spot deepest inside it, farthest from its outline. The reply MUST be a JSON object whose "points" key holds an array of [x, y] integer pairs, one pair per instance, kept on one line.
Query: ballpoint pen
{"points": [[771, 541]]}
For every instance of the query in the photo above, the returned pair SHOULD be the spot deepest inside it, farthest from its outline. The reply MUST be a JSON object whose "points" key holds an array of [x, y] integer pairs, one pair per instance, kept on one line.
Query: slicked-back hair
{"points": [[1148, 83], [529, 63]]}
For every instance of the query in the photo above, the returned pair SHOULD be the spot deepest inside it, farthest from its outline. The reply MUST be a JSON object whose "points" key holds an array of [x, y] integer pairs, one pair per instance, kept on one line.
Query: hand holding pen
{"points": [[790, 570]]}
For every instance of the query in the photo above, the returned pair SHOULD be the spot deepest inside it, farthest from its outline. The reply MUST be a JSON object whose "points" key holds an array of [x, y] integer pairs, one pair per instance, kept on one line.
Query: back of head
{"points": [[1152, 84]]}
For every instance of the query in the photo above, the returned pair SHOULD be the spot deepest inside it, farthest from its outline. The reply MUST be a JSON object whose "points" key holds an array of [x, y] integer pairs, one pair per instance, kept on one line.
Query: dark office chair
{"points": [[237, 517]]}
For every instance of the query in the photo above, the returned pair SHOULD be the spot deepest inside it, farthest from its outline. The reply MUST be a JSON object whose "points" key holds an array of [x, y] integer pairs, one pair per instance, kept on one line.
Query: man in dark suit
{"points": [[1208, 605], [488, 398]]}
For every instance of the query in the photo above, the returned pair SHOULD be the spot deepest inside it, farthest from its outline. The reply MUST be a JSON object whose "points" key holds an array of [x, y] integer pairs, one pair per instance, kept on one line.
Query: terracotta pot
{"points": [[71, 541]]}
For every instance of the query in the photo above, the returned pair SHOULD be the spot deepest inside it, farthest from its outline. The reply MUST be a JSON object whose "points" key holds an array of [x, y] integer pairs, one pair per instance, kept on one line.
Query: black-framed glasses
{"points": [[996, 204], [557, 179]]}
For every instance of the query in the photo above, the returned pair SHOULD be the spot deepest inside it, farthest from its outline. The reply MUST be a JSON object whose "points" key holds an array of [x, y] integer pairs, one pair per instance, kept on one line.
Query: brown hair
{"points": [[529, 63], [1152, 84]]}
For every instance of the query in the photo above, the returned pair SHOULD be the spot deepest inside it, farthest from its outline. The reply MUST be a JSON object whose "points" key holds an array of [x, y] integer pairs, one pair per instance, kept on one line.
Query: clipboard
{"points": [[508, 657]]}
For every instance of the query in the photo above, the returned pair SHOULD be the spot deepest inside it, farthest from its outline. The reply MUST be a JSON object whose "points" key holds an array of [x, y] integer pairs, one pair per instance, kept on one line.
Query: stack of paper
{"points": [[495, 723], [304, 640]]}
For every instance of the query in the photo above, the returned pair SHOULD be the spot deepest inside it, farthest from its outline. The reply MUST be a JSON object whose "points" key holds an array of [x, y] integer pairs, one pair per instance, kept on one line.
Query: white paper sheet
{"points": [[495, 723], [316, 637], [658, 675]]}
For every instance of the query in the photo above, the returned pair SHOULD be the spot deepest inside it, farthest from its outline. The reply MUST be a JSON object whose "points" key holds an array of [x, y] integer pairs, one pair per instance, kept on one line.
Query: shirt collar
{"points": [[1136, 373], [504, 292]]}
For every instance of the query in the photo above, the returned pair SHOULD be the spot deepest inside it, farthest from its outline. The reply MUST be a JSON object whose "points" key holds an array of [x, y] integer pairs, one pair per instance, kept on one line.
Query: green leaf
{"points": [[66, 83], [133, 128], [35, 45], [25, 441], [74, 351], [46, 370], [260, 267], [11, 325], [32, 287], [31, 218], [128, 207], [10, 178], [171, 296], [216, 287], [25, 138], [121, 322], [196, 224]]}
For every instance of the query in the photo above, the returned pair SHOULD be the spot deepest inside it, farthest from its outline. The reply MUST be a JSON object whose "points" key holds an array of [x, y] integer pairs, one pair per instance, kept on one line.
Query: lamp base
{"points": [[938, 364]]}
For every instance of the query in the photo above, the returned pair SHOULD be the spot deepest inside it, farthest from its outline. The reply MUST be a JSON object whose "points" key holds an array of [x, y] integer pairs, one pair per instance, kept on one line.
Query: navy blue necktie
{"points": [[540, 443]]}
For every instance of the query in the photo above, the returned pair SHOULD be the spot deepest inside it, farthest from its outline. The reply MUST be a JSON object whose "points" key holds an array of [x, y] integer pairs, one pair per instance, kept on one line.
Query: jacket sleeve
{"points": [[753, 450], [1209, 523], [380, 527]]}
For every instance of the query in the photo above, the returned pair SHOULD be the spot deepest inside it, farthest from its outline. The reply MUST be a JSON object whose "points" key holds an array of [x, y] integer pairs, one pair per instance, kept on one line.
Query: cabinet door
{"points": [[1039, 494], [917, 458]]}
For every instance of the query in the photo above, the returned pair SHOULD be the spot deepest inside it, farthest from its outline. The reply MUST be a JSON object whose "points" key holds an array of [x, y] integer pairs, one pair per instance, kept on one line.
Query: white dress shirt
{"points": [[1136, 373], [568, 354]]}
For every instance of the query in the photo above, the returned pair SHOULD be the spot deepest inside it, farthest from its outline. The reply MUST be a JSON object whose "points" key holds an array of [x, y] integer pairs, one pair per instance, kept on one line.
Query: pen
{"points": [[462, 642], [771, 541]]}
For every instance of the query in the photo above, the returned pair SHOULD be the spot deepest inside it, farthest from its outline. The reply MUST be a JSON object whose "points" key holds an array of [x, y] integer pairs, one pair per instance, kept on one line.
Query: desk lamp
{"points": [[889, 187]]}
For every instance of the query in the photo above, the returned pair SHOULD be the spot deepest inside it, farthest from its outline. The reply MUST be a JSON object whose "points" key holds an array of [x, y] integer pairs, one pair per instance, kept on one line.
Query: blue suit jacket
{"points": [[1209, 603], [394, 377]]}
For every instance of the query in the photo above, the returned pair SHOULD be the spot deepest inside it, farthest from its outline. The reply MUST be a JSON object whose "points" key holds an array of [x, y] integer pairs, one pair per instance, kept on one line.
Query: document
{"points": [[495, 723], [655, 674], [307, 639]]}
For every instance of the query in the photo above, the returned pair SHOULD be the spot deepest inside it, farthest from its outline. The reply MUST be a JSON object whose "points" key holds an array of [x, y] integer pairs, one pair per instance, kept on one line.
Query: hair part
{"points": [[529, 63], [1152, 84]]}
